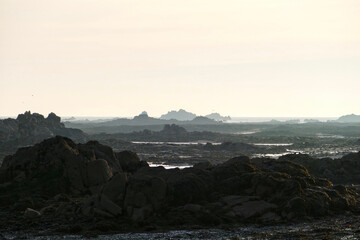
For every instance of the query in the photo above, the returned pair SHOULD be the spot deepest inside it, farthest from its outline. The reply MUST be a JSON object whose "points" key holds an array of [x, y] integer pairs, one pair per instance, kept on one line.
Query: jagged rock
{"points": [[218, 117], [53, 118], [171, 130], [180, 115], [31, 128]]}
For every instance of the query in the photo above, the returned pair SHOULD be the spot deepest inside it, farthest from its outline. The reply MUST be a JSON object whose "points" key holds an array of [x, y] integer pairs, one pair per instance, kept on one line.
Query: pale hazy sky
{"points": [[237, 57]]}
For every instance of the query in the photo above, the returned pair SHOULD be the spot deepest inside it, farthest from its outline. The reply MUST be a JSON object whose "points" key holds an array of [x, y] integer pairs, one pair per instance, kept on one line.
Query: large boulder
{"points": [[115, 188], [130, 161], [144, 195], [58, 165]]}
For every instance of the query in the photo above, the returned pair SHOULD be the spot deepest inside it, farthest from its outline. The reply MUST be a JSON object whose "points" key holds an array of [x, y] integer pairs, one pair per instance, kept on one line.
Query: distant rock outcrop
{"points": [[173, 129], [28, 129], [218, 117], [180, 115], [349, 118], [183, 115], [203, 120]]}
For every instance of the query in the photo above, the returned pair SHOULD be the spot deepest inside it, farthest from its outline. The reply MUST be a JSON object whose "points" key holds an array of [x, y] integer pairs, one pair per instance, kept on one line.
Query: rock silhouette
{"points": [[65, 183], [30, 128]]}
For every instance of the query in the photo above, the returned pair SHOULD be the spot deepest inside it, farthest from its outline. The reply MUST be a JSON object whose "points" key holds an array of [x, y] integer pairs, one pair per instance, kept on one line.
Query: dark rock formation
{"points": [[58, 165], [67, 183], [345, 170], [28, 129], [173, 132], [130, 161], [169, 133]]}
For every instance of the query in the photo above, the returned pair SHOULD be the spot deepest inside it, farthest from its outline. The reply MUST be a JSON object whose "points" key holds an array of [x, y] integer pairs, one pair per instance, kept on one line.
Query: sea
{"points": [[281, 119]]}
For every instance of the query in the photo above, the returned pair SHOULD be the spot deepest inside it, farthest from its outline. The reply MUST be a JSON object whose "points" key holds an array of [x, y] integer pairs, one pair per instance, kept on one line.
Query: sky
{"points": [[243, 58]]}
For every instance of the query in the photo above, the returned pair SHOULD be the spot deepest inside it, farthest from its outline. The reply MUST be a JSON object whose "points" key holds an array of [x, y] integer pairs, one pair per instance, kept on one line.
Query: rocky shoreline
{"points": [[335, 227], [59, 187]]}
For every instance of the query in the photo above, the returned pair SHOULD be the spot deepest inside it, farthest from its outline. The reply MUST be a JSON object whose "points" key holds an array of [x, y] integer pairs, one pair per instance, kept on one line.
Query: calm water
{"points": [[281, 119], [178, 143], [168, 166]]}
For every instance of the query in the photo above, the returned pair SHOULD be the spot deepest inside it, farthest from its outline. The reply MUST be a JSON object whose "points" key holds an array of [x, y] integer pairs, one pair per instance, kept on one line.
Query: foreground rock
{"points": [[89, 187], [58, 165]]}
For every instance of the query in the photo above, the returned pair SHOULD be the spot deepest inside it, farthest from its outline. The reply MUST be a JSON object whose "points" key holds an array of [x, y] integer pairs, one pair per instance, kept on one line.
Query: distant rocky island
{"points": [[180, 115], [142, 119], [218, 117], [183, 115], [349, 118]]}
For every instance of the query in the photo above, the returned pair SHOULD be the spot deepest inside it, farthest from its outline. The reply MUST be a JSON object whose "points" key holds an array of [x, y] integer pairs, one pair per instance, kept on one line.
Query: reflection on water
{"points": [[273, 144], [321, 135], [247, 132], [178, 143], [168, 166], [277, 155]]}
